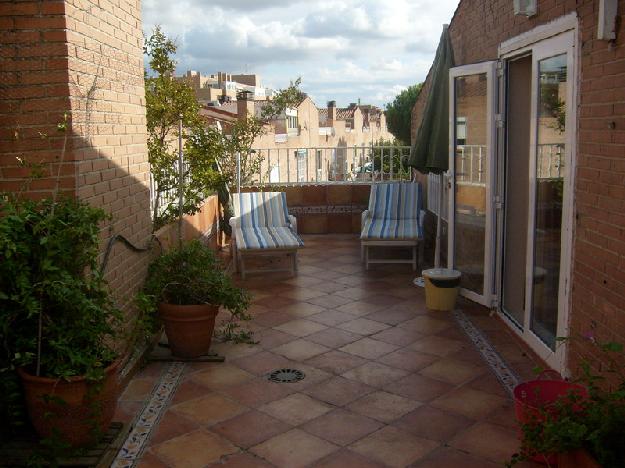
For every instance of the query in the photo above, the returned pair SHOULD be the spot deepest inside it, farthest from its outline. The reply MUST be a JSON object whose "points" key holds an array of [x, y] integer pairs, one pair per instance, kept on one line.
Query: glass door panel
{"points": [[471, 151], [549, 195]]}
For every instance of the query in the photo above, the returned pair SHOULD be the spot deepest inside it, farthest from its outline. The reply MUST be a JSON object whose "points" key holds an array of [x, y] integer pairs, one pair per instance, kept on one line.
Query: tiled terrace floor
{"points": [[388, 383]]}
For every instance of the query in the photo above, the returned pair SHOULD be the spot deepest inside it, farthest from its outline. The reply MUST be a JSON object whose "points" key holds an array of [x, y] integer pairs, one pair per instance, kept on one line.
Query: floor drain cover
{"points": [[286, 375]]}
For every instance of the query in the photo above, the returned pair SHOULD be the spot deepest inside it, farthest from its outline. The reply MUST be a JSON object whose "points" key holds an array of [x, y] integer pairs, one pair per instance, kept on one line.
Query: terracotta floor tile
{"points": [[368, 348], [418, 387], [397, 336], [407, 360], [488, 441], [393, 447], [171, 425], [313, 376], [333, 337], [438, 345], [452, 371], [126, 411], [302, 309], [338, 391], [341, 427], [250, 428], [241, 460], [237, 350], [261, 363], [274, 318], [331, 317], [426, 325], [359, 308], [257, 392], [504, 416], [302, 294], [336, 362], [193, 450], [432, 423], [138, 390], [218, 375], [274, 302], [355, 293], [208, 409], [329, 286], [149, 460], [446, 457], [303, 281], [363, 326], [152, 370], [330, 301], [383, 406], [270, 338], [375, 374], [490, 384], [346, 268], [294, 449], [471, 403], [345, 458], [301, 327], [300, 350], [391, 317], [383, 299], [295, 409]]}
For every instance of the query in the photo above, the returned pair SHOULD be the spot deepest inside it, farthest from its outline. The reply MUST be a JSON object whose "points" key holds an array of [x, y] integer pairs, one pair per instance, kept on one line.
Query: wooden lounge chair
{"points": [[394, 219], [262, 226]]}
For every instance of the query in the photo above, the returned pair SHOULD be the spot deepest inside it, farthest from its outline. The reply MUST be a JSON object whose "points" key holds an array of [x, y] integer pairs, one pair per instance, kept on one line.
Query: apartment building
{"points": [[223, 87]]}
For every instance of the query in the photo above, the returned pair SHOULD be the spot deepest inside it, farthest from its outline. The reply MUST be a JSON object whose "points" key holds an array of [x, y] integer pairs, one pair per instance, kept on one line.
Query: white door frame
{"points": [[489, 69], [555, 38]]}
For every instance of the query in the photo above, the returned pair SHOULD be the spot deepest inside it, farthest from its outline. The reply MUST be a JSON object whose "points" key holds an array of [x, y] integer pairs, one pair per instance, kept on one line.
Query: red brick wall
{"points": [[82, 58], [598, 278]]}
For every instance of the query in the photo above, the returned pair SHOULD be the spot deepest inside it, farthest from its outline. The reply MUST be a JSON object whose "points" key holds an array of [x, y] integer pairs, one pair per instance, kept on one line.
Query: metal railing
{"points": [[340, 164]]}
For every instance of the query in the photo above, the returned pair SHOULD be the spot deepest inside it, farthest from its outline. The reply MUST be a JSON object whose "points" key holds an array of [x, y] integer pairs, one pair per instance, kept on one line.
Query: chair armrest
{"points": [[234, 222], [365, 214], [293, 221]]}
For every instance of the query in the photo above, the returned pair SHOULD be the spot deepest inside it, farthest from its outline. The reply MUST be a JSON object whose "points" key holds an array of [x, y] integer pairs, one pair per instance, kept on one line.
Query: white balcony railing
{"points": [[341, 164]]}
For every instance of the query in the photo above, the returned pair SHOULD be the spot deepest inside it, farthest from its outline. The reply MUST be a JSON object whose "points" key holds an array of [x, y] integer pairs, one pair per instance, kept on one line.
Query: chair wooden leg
{"points": [[421, 253], [294, 260], [366, 257], [362, 252], [242, 266], [414, 258]]}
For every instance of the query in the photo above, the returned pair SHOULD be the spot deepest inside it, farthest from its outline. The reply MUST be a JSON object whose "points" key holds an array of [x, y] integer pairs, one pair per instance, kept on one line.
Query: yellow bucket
{"points": [[441, 288]]}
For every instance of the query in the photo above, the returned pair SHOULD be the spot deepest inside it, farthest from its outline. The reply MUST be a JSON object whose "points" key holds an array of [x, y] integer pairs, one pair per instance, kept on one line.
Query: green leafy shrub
{"points": [[192, 275]]}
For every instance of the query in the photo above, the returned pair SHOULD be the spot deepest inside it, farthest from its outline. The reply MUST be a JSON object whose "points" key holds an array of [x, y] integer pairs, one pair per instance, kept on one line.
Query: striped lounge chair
{"points": [[394, 218], [262, 226]]}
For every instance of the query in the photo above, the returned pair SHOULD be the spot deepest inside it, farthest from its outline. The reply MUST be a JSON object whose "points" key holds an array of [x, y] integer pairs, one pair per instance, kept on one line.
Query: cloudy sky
{"points": [[342, 49]]}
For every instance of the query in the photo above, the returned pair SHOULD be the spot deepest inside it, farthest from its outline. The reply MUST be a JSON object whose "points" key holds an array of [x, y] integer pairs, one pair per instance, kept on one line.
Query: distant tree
{"points": [[399, 113]]}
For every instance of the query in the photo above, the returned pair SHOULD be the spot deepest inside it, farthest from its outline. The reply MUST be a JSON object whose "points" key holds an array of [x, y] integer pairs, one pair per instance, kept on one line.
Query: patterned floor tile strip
{"points": [[132, 449], [506, 376]]}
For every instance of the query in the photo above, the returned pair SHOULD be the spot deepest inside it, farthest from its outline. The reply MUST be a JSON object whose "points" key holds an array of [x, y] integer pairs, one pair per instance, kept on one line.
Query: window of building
{"points": [[291, 121], [302, 161]]}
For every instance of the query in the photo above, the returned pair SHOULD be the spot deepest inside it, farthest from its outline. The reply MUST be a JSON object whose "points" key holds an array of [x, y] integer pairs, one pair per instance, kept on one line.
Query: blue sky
{"points": [[342, 49]]}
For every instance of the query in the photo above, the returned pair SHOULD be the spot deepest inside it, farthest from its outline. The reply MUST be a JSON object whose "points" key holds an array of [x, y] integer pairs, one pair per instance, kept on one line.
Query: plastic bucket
{"points": [[441, 288]]}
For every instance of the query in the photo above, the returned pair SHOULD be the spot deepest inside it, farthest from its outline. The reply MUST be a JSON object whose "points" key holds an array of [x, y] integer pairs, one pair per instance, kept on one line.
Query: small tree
{"points": [[399, 112], [382, 152], [167, 102]]}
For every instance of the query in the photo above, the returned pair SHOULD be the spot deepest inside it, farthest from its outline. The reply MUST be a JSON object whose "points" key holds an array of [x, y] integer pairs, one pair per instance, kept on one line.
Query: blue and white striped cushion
{"points": [[392, 229], [396, 200], [261, 209], [266, 238]]}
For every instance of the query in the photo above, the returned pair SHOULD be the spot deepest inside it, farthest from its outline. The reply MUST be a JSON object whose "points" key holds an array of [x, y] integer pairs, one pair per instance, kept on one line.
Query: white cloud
{"points": [[343, 49]]}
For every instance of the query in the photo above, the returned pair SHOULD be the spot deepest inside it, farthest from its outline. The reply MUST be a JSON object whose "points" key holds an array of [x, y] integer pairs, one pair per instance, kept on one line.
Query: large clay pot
{"points": [[189, 328], [77, 410], [577, 459]]}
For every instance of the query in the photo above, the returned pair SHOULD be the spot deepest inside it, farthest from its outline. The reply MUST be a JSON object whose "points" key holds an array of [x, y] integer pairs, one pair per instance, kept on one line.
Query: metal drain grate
{"points": [[286, 375]]}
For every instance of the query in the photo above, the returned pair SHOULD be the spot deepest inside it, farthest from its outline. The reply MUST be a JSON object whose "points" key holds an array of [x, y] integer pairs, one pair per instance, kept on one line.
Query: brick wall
{"points": [[82, 58], [598, 278]]}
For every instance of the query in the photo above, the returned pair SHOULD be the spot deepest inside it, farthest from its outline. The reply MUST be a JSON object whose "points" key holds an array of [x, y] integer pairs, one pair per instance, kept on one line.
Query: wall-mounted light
{"points": [[525, 7]]}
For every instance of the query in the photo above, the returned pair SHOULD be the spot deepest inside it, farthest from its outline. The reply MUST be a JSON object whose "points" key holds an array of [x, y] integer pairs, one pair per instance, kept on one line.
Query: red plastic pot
{"points": [[533, 398], [577, 459]]}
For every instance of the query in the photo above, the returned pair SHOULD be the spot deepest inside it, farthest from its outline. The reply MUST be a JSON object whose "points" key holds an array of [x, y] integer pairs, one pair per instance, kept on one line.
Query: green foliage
{"points": [[48, 271], [596, 423], [290, 97], [192, 275], [399, 113], [167, 102], [382, 158]]}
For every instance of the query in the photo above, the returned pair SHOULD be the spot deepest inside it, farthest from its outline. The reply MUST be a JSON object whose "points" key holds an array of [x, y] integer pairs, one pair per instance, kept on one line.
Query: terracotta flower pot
{"points": [[577, 459], [76, 409], [189, 328]]}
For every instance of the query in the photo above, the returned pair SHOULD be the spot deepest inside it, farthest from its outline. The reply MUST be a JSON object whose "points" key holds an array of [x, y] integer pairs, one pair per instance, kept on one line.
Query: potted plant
{"points": [[581, 430], [188, 286], [56, 317]]}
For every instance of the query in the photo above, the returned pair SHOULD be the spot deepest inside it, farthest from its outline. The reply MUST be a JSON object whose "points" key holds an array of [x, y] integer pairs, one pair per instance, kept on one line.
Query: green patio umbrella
{"points": [[430, 152]]}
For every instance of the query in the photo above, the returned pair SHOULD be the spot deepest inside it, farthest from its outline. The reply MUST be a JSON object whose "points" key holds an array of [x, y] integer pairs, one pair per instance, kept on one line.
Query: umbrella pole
{"points": [[437, 249]]}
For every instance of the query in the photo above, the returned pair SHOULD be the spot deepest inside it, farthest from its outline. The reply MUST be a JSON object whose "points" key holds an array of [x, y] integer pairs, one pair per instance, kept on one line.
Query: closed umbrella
{"points": [[430, 152]]}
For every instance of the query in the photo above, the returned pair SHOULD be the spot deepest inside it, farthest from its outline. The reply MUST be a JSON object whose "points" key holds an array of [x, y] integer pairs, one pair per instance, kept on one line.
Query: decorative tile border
{"points": [[506, 376], [134, 445]]}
